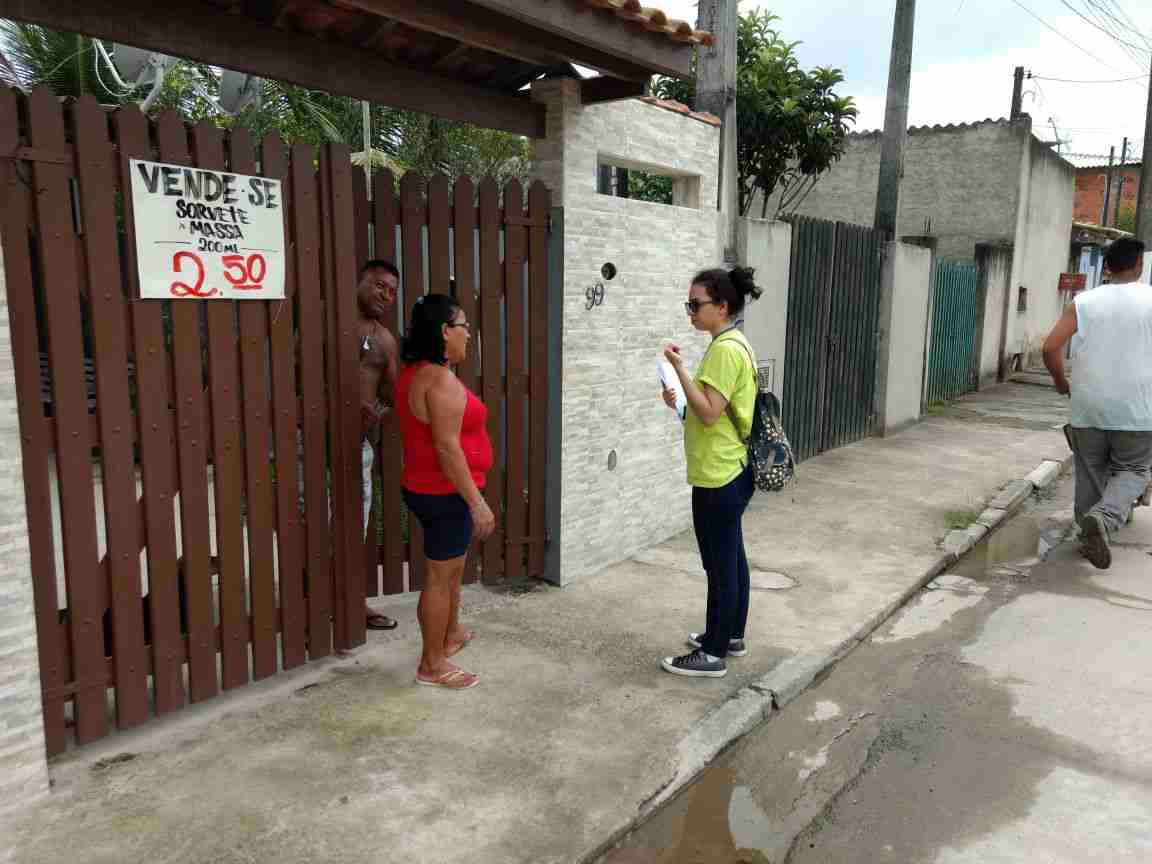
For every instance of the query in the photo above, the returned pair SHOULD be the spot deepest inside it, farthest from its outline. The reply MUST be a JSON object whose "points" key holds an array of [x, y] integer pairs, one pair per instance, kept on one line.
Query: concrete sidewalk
{"points": [[574, 732]]}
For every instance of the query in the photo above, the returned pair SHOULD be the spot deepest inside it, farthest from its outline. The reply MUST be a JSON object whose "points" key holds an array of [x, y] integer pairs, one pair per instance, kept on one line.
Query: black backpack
{"points": [[769, 453]]}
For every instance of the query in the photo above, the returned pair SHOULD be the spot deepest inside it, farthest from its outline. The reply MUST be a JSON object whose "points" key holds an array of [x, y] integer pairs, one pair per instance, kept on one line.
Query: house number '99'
{"points": [[594, 295]]}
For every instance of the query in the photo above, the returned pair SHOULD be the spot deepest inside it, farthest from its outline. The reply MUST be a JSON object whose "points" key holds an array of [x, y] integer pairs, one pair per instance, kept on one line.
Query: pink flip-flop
{"points": [[456, 679]]}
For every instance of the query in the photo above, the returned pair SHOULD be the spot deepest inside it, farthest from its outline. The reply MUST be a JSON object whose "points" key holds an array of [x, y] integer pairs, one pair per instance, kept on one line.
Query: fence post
{"points": [[553, 565], [929, 242], [983, 255], [884, 333], [23, 767]]}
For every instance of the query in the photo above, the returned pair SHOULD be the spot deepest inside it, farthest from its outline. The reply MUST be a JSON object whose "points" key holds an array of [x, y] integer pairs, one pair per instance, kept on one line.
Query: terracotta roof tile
{"points": [[654, 19], [681, 108]]}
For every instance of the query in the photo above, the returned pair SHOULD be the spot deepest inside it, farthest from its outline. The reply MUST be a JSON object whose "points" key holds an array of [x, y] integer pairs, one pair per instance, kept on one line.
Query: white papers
{"points": [[671, 381]]}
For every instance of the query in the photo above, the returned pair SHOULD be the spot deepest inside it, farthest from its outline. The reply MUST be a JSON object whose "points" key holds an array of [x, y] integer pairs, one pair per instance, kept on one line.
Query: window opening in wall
{"points": [[647, 185]]}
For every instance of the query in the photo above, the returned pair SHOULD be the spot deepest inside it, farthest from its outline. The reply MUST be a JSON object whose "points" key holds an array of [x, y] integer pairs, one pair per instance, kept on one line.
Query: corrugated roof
{"points": [[1092, 162]]}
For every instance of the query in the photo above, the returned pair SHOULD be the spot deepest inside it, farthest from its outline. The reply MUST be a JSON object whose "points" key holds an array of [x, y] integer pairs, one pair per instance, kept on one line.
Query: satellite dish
{"points": [[137, 66], [238, 90]]}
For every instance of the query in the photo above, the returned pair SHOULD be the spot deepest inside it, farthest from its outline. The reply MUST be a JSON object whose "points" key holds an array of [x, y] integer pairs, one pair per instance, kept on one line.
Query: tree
{"points": [[792, 125], [1127, 220], [650, 187], [428, 144], [69, 64]]}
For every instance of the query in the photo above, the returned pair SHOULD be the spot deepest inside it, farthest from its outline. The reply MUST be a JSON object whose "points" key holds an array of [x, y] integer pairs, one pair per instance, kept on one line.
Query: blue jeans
{"points": [[716, 517]]}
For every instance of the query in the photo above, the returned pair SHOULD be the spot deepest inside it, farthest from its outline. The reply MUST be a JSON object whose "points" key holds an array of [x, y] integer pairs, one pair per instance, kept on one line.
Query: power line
{"points": [[1067, 39], [1110, 33], [1120, 31], [1093, 81], [1117, 130], [1125, 20]]}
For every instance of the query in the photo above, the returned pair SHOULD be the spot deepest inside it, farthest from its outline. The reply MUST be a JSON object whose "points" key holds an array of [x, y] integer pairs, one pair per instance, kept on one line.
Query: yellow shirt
{"points": [[717, 454]]}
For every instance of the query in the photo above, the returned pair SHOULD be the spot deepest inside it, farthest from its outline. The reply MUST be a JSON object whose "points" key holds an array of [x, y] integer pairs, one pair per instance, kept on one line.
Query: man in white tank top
{"points": [[1110, 421]]}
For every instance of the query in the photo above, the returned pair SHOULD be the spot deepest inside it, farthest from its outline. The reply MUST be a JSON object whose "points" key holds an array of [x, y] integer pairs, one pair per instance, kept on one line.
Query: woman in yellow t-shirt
{"points": [[721, 397]]}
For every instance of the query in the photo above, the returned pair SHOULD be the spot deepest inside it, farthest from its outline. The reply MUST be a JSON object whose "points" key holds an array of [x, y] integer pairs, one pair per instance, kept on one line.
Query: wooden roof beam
{"points": [[268, 11], [605, 89], [188, 28], [577, 21], [631, 52]]}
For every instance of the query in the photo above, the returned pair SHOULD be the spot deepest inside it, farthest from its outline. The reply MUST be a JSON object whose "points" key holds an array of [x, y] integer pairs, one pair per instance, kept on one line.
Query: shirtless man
{"points": [[376, 301]]}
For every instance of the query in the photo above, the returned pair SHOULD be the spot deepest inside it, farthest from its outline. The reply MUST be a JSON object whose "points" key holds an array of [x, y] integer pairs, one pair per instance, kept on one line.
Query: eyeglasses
{"points": [[693, 306]]}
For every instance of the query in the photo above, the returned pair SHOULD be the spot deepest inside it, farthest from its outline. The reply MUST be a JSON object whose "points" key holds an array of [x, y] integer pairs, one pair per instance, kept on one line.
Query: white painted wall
{"points": [[1043, 234], [767, 246], [996, 269], [611, 392], [905, 300]]}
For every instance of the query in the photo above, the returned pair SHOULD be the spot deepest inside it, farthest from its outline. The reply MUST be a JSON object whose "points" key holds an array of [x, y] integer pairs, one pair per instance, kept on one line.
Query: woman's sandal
{"points": [[456, 679]]}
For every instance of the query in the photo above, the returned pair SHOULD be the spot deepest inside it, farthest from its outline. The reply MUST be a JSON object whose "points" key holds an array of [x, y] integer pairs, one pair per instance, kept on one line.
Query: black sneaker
{"points": [[1095, 539], [736, 647], [695, 665]]}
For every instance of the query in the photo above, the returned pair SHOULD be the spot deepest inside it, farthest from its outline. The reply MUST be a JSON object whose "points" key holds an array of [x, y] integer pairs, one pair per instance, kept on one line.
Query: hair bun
{"points": [[742, 279]]}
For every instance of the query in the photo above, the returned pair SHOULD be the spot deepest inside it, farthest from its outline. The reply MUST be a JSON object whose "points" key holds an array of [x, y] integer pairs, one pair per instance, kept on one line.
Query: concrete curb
{"points": [[752, 705]]}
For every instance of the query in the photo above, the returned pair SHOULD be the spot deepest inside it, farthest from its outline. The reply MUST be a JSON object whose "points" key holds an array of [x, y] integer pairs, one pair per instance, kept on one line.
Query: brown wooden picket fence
{"points": [[192, 469], [491, 253]]}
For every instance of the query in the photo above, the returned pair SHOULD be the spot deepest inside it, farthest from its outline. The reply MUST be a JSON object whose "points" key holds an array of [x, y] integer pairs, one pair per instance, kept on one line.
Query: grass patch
{"points": [[958, 520]]}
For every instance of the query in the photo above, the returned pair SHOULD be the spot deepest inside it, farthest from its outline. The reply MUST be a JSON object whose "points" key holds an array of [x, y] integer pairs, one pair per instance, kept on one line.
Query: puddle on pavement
{"points": [[1008, 553], [1011, 549], [718, 819], [750, 826]]}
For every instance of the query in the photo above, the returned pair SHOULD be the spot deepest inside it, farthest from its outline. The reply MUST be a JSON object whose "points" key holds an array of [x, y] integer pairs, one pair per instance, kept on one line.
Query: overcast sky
{"points": [[964, 55]]}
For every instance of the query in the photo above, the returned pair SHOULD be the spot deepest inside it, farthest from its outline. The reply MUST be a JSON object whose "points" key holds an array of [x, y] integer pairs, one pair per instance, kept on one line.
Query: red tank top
{"points": [[422, 472]]}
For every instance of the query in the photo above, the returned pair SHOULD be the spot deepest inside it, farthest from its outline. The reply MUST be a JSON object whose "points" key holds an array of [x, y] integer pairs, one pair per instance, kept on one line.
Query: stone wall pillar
{"points": [[623, 483]]}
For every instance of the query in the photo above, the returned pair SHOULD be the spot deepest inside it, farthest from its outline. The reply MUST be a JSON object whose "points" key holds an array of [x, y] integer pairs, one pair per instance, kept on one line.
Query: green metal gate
{"points": [[952, 364], [833, 314]]}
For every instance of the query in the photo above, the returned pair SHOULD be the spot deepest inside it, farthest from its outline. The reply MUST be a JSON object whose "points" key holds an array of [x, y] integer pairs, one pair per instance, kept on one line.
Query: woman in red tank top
{"points": [[447, 455]]}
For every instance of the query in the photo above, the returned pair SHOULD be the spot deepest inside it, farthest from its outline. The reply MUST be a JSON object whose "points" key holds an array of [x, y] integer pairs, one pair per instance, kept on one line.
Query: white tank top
{"points": [[1112, 370]]}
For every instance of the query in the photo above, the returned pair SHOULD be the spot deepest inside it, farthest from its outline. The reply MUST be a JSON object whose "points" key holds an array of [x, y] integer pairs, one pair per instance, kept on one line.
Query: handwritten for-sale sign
{"points": [[207, 235]]}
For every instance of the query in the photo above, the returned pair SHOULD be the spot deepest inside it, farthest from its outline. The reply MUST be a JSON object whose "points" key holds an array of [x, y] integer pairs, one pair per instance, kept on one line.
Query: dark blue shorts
{"points": [[447, 524]]}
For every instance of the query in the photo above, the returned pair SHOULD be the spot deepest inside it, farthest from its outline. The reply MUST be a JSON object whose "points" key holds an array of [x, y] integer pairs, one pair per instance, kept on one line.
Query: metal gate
{"points": [[181, 544], [833, 314], [952, 361]]}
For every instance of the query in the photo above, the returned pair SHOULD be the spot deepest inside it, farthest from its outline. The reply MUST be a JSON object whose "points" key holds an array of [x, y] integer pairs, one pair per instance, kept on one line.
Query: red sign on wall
{"points": [[1073, 282]]}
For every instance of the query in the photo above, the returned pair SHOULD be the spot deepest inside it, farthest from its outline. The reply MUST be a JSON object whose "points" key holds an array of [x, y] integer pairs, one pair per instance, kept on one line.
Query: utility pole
{"points": [[716, 94], [1017, 94], [1120, 184], [1144, 202], [896, 118], [366, 132], [1108, 187]]}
